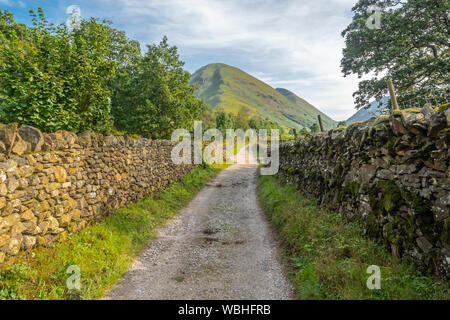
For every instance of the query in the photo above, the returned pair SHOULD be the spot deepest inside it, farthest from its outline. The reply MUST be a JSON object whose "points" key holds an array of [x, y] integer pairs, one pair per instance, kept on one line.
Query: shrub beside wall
{"points": [[391, 173], [52, 185]]}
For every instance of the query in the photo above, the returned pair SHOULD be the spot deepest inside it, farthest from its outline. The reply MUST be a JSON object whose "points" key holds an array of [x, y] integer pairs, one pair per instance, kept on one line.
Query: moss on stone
{"points": [[353, 124], [443, 107], [412, 110], [351, 188], [393, 144], [443, 132], [379, 120], [330, 150], [331, 182], [419, 204], [389, 201], [372, 225], [384, 197]]}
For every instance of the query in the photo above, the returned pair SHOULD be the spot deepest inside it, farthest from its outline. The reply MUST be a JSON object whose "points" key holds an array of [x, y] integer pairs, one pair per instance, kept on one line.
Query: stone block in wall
{"points": [[33, 136]]}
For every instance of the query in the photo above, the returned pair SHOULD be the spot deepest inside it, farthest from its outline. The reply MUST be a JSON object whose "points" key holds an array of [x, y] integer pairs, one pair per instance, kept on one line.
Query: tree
{"points": [[7, 24], [208, 117], [156, 98], [242, 119], [255, 123], [258, 123], [54, 78], [341, 124], [225, 121], [314, 128], [411, 48], [123, 50]]}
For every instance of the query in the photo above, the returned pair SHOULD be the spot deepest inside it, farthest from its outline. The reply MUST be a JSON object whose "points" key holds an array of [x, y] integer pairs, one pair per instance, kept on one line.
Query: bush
{"points": [[153, 97], [54, 78]]}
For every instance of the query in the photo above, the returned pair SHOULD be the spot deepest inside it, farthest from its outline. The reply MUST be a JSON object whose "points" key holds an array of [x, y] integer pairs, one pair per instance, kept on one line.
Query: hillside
{"points": [[371, 111], [223, 86]]}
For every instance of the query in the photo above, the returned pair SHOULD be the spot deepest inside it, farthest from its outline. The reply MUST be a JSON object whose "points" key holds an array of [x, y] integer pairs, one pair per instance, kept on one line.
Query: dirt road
{"points": [[219, 247]]}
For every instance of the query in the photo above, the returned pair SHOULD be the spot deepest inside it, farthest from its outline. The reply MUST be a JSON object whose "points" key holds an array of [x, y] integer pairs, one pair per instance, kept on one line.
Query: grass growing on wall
{"points": [[103, 250], [328, 257]]}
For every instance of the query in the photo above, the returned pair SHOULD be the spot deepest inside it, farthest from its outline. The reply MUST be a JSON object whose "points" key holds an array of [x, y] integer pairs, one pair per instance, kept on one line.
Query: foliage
{"points": [[411, 48], [208, 117], [88, 78], [328, 256], [225, 121], [103, 250], [242, 118], [124, 51], [157, 98], [55, 78], [259, 123]]}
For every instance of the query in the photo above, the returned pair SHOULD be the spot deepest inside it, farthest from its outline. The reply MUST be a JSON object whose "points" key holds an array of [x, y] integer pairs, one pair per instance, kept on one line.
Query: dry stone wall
{"points": [[52, 185], [390, 173]]}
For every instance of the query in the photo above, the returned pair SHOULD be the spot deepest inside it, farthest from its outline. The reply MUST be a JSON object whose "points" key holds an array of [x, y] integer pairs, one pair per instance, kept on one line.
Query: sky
{"points": [[292, 44]]}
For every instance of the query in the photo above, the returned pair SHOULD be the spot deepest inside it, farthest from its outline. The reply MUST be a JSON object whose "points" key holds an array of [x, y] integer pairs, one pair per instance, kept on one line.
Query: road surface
{"points": [[218, 247]]}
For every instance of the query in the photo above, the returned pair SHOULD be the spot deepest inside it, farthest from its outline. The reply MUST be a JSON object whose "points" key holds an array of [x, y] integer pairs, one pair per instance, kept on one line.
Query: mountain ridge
{"points": [[230, 88], [372, 110]]}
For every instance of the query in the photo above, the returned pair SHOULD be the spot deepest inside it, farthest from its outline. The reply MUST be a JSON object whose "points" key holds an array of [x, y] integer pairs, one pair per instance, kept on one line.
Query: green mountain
{"points": [[229, 88]]}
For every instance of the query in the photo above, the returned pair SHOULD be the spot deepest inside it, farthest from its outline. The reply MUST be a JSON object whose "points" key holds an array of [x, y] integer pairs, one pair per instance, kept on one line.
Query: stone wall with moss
{"points": [[391, 174], [52, 185]]}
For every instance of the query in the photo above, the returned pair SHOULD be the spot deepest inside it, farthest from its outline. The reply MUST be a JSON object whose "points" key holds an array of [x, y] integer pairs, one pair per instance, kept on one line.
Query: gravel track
{"points": [[218, 247]]}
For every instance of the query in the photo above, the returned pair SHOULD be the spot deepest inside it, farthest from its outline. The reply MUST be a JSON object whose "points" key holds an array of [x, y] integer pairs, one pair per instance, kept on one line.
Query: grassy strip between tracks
{"points": [[103, 251], [327, 257]]}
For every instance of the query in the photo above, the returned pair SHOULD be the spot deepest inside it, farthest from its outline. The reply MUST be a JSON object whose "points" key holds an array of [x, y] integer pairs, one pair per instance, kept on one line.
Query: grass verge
{"points": [[102, 251], [328, 257]]}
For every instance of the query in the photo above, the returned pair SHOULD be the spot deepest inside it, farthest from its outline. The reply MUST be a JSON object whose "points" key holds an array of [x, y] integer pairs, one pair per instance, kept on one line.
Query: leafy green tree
{"points": [[7, 24], [123, 50], [341, 124], [127, 54], [255, 123], [225, 121], [242, 119], [258, 123], [54, 78], [209, 117], [157, 98], [411, 48]]}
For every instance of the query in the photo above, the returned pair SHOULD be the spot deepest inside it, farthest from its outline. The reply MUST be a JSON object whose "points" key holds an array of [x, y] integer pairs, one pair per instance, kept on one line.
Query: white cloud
{"points": [[295, 44]]}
